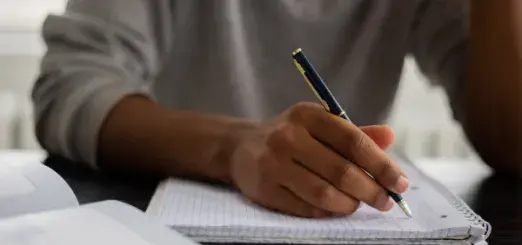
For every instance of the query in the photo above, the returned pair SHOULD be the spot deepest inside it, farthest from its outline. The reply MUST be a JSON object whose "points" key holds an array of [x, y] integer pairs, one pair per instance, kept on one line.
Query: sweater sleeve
{"points": [[98, 51], [439, 44]]}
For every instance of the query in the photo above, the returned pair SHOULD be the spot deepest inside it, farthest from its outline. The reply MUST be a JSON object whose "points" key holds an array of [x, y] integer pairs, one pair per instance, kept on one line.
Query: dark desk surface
{"points": [[497, 198]]}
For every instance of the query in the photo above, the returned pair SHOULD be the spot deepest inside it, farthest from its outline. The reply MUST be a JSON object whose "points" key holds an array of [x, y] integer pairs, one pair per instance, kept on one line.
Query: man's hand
{"points": [[307, 162], [304, 162]]}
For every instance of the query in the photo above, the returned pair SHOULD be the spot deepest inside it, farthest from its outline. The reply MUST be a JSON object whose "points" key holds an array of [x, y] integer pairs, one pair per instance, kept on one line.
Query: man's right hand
{"points": [[309, 163]]}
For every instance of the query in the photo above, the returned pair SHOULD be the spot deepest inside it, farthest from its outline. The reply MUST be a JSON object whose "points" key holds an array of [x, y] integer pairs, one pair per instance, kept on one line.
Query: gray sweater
{"points": [[233, 57]]}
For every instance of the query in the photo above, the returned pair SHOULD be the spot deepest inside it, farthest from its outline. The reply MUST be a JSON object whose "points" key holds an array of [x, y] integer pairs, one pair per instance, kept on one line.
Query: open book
{"points": [[38, 207], [211, 214]]}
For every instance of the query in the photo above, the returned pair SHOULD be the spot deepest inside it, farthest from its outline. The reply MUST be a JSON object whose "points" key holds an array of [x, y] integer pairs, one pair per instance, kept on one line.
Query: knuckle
{"points": [[377, 196], [387, 173], [300, 111], [346, 175], [325, 196], [282, 136], [305, 105], [266, 159], [356, 142], [360, 142], [353, 207], [266, 164]]}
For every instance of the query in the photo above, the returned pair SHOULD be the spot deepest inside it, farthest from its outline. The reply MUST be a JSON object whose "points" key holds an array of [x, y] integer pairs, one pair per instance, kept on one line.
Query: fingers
{"points": [[316, 191], [383, 136], [344, 175], [281, 199], [355, 145]]}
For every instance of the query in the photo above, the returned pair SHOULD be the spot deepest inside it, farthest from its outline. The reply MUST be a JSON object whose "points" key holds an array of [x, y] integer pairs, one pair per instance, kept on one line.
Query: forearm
{"points": [[140, 135], [493, 101]]}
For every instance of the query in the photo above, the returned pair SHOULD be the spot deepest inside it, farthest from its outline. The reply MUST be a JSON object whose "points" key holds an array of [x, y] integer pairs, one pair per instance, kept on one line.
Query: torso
{"points": [[234, 57]]}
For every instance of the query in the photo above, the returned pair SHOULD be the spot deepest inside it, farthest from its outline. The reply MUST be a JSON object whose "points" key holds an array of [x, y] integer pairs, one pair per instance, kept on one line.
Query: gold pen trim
{"points": [[402, 203], [297, 51], [302, 71]]}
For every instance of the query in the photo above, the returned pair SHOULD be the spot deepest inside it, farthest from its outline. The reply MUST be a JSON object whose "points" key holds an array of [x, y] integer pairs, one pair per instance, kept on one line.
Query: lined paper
{"points": [[197, 204], [201, 210]]}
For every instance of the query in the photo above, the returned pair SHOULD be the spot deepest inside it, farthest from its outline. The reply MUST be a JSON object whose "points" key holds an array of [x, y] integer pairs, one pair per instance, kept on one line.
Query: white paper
{"points": [[13, 183], [213, 211], [30, 186], [65, 227]]}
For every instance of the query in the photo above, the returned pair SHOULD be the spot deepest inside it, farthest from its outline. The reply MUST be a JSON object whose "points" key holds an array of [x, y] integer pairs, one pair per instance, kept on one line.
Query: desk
{"points": [[497, 198]]}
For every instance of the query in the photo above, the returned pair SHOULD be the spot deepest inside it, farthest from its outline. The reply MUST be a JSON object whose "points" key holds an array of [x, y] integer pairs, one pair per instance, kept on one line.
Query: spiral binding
{"points": [[458, 203]]}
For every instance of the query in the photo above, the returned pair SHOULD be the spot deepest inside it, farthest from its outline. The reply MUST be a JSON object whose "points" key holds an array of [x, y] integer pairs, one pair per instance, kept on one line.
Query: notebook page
{"points": [[212, 213], [191, 206], [197, 204]]}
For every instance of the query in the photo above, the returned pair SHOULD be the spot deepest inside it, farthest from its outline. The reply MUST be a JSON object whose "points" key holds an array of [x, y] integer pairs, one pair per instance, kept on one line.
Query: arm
{"points": [[471, 49], [493, 94], [91, 100], [140, 135], [90, 107]]}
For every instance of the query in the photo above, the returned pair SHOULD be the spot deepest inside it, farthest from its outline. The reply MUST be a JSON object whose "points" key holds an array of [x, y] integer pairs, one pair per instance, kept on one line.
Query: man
{"points": [[207, 89]]}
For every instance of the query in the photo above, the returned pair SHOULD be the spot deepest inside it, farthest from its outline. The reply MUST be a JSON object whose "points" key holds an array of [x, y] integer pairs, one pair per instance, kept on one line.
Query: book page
{"points": [[28, 186], [13, 183], [191, 206], [65, 227]]}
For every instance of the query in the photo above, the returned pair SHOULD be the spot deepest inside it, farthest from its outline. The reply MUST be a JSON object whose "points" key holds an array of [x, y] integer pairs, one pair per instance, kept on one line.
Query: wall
{"points": [[27, 14], [423, 121], [20, 48]]}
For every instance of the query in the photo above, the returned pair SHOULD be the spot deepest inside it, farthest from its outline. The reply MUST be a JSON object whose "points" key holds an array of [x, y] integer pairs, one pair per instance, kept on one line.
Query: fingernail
{"points": [[387, 205], [401, 185]]}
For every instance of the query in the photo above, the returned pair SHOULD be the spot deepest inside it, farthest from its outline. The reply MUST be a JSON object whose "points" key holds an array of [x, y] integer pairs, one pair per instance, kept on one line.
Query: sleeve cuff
{"points": [[91, 115]]}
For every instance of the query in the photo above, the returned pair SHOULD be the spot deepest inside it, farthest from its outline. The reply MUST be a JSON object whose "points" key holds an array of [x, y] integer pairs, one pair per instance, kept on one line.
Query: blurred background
{"points": [[421, 118]]}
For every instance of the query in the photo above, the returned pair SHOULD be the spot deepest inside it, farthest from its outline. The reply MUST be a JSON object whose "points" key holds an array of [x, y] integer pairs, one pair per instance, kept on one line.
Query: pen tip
{"points": [[404, 206]]}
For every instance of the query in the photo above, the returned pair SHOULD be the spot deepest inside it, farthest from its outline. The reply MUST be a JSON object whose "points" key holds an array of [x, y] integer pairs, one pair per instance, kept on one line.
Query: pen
{"points": [[321, 91]]}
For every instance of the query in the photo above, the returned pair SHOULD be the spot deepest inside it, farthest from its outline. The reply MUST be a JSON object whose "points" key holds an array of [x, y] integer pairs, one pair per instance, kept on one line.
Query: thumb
{"points": [[382, 135]]}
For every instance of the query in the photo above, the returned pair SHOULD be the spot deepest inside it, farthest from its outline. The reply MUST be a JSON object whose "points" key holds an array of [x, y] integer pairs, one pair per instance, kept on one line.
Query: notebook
{"points": [[208, 213]]}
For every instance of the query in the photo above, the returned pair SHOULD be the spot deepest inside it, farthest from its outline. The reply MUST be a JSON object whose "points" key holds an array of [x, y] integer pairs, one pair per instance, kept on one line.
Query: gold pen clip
{"points": [[302, 71]]}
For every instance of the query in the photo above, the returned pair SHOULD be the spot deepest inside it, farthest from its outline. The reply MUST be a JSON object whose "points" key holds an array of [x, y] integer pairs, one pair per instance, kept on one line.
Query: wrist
{"points": [[140, 135], [231, 140]]}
